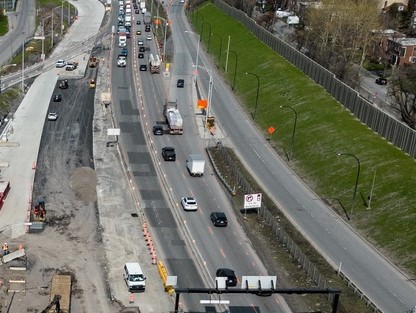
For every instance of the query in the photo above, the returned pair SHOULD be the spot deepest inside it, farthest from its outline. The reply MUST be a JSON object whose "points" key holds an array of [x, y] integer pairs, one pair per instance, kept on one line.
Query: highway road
{"points": [[192, 248]]}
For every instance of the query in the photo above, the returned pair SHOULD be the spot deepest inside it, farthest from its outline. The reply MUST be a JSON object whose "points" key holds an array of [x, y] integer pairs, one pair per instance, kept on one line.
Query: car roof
{"points": [[226, 271], [219, 214]]}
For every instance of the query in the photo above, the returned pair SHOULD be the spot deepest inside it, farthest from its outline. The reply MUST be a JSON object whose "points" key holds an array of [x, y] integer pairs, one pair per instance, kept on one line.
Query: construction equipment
{"points": [[154, 63], [4, 190], [93, 62], [173, 118], [39, 211], [54, 302]]}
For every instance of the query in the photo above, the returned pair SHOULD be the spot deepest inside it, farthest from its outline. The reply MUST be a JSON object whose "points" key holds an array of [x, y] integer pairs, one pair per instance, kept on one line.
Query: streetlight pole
{"points": [[293, 132], [236, 63], [52, 34], [257, 95], [202, 28], [62, 17], [219, 54], [356, 180], [23, 63], [197, 49]]}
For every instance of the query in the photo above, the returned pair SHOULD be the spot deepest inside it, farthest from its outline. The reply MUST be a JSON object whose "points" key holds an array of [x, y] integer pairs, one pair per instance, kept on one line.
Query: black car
{"points": [[137, 11], [230, 274], [219, 219], [168, 154], [381, 81], [143, 67], [141, 55], [147, 29], [138, 22], [57, 98], [180, 83], [142, 49], [63, 84], [158, 130]]}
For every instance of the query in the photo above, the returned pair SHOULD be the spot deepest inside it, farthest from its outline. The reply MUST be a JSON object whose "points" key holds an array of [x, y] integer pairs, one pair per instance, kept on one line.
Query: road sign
{"points": [[252, 201]]}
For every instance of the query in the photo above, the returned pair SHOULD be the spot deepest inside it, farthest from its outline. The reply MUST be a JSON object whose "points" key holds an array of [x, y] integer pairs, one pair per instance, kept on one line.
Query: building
{"points": [[401, 51]]}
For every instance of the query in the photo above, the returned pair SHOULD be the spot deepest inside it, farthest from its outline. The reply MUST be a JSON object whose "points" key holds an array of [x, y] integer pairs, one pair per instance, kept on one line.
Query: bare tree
{"points": [[403, 90]]}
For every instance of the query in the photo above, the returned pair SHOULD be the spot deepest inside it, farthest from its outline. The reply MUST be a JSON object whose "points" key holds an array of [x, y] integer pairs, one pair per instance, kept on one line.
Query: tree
{"points": [[340, 33], [403, 90]]}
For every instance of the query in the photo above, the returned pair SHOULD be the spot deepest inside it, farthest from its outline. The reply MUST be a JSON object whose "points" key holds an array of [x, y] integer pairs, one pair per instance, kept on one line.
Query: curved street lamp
{"points": [[356, 180], [219, 54], [257, 95], [197, 49], [293, 132], [209, 37], [236, 63]]}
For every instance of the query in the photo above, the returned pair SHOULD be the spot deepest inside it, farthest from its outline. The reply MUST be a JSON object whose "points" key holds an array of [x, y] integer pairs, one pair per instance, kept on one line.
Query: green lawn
{"points": [[324, 128], [4, 28]]}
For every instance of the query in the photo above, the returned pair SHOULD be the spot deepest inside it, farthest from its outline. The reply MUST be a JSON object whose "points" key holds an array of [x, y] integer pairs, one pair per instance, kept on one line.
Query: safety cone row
{"points": [[149, 242]]}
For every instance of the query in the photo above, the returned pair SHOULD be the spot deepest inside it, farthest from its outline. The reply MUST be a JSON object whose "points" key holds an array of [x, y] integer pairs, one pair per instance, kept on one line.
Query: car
{"points": [[189, 204], [124, 52], [57, 98], [52, 116], [381, 81], [182, 1], [121, 29], [158, 130], [141, 55], [142, 49], [149, 37], [230, 274], [147, 29], [121, 61], [137, 11], [135, 6], [120, 23], [60, 63], [140, 42], [138, 32], [138, 22], [219, 219], [180, 83], [168, 154], [143, 67], [70, 66]]}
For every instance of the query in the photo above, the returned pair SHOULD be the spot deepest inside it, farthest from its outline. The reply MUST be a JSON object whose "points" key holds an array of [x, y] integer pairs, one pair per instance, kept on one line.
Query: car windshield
{"points": [[136, 277]]}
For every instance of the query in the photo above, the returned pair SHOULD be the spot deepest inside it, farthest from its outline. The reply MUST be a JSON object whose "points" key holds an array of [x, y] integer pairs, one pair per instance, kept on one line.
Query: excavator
{"points": [[54, 302]]}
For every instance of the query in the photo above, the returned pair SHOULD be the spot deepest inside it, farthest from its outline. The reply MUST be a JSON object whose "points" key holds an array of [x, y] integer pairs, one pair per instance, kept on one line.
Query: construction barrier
{"points": [[164, 275]]}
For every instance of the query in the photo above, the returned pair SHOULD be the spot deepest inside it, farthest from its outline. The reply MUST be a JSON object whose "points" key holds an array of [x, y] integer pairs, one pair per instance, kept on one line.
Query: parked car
{"points": [[180, 83], [168, 154], [70, 66], [381, 81], [219, 219], [57, 98], [230, 274], [60, 63], [52, 116], [189, 204], [158, 130]]}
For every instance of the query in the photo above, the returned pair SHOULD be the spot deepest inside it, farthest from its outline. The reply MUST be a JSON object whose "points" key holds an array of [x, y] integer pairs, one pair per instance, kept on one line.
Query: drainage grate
{"points": [[134, 215]]}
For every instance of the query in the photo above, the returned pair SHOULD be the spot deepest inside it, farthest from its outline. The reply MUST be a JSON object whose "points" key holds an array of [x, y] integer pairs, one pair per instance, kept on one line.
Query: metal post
{"points": [[356, 180], [43, 40], [293, 132], [52, 32], [62, 18], [235, 68], [219, 54], [164, 40], [23, 64], [226, 59], [209, 36], [197, 49], [69, 13], [257, 95], [202, 28], [372, 188]]}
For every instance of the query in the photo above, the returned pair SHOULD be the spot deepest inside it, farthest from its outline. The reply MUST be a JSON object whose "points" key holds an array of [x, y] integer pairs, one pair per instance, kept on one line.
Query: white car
{"points": [[121, 61], [149, 37], [140, 42], [189, 204], [52, 116], [60, 63]]}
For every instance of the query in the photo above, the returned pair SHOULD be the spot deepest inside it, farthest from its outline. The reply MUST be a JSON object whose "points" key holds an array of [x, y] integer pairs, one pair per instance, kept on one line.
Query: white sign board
{"points": [[113, 132], [259, 282], [252, 201], [172, 281]]}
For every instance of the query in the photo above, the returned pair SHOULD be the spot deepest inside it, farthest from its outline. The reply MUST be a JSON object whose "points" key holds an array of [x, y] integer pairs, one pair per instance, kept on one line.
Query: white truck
{"points": [[127, 21], [134, 277], [173, 118], [195, 165], [142, 4], [154, 63]]}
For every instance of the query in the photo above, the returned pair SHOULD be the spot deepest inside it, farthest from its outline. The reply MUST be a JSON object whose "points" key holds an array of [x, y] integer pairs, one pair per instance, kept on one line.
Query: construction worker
{"points": [[5, 248], [36, 211]]}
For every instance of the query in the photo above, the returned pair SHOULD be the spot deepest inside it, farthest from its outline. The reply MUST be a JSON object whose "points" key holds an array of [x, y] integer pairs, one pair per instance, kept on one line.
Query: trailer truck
{"points": [[173, 117]]}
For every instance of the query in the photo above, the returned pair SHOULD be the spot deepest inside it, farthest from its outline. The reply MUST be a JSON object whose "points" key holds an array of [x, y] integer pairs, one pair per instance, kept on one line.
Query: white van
{"points": [[134, 277]]}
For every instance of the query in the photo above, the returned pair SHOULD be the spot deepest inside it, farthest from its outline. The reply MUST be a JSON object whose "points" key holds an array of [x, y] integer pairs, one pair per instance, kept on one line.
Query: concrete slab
{"points": [[13, 255]]}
